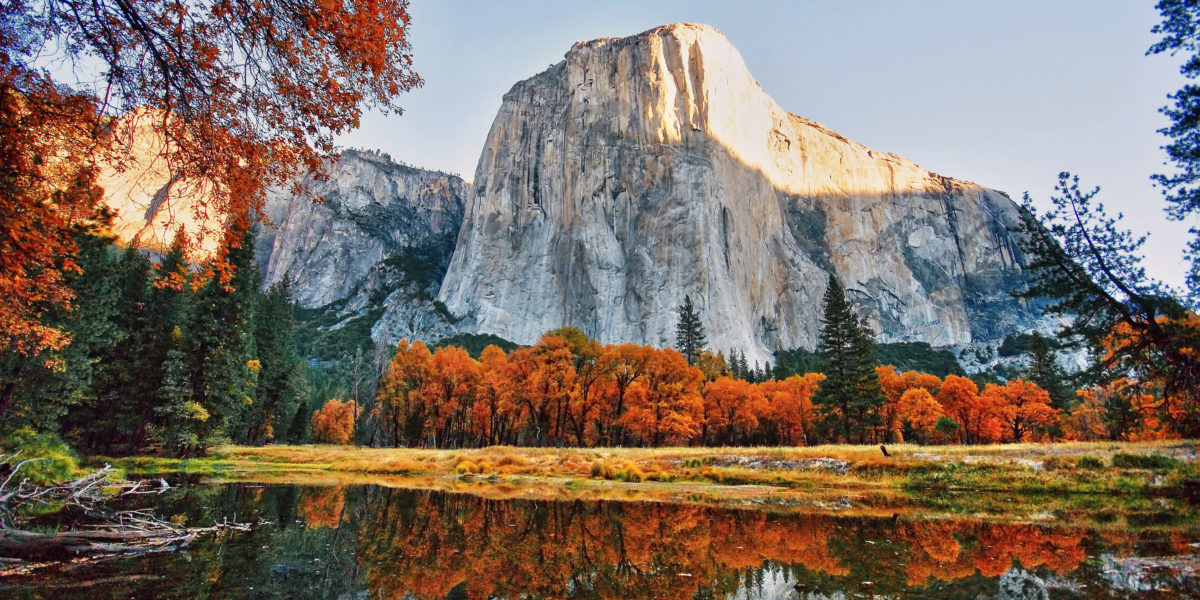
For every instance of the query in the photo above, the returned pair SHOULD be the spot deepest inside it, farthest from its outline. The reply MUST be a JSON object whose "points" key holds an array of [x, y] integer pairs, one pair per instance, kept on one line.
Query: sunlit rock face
{"points": [[150, 204], [643, 169]]}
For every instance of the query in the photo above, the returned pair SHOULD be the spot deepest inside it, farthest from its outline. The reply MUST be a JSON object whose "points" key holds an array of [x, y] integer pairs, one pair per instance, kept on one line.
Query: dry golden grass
{"points": [[1011, 466], [1034, 478]]}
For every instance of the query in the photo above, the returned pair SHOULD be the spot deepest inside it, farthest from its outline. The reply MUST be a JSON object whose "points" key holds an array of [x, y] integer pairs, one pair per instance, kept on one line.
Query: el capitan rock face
{"points": [[643, 169]]}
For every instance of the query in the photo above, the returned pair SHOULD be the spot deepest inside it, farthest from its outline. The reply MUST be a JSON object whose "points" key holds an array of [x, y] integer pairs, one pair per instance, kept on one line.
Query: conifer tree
{"points": [[182, 419], [850, 396], [129, 373], [221, 342], [743, 369], [689, 333], [280, 380], [1045, 371]]}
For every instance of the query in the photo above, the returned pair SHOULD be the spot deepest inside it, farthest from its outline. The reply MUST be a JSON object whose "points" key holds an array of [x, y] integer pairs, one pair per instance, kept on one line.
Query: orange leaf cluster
{"points": [[570, 390], [334, 422]]}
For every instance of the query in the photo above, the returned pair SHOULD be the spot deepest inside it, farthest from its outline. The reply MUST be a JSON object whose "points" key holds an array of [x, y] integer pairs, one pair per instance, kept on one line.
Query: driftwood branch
{"points": [[113, 533]]}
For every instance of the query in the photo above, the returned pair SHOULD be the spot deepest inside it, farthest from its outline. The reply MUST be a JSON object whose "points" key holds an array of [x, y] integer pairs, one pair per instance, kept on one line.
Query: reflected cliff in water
{"points": [[373, 542]]}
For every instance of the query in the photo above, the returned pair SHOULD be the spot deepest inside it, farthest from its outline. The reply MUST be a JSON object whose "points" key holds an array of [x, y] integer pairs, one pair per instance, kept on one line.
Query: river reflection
{"points": [[374, 542]]}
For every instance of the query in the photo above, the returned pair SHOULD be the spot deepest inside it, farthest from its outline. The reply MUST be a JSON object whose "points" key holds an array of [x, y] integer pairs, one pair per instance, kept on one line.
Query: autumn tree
{"points": [[334, 422], [1021, 405], [850, 397], [400, 415], [494, 414], [245, 95], [689, 333], [894, 386], [977, 420], [625, 364], [732, 408], [791, 419], [449, 389], [665, 405], [919, 412]]}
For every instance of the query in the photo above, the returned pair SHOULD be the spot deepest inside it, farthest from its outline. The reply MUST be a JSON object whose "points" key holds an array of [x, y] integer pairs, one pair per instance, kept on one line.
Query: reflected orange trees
{"points": [[428, 544]]}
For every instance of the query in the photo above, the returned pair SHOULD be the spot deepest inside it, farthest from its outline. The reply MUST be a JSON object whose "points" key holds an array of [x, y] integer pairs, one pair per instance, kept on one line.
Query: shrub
{"points": [[630, 473], [1090, 462], [54, 460], [465, 467], [602, 469], [1141, 461]]}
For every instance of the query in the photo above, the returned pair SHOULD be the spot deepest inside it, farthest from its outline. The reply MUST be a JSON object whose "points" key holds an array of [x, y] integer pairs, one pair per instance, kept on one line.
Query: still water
{"points": [[363, 541]]}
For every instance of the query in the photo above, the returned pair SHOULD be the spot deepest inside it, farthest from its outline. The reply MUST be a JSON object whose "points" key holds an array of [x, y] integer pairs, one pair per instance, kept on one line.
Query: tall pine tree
{"points": [[221, 342], [281, 377], [1044, 370], [689, 333], [850, 397]]}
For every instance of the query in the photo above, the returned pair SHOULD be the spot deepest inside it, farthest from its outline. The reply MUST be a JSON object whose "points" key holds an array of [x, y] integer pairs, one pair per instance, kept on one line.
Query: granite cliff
{"points": [[642, 169], [373, 252], [376, 246]]}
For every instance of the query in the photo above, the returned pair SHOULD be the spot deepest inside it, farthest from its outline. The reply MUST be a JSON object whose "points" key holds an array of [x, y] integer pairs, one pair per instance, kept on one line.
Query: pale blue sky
{"points": [[1005, 94]]}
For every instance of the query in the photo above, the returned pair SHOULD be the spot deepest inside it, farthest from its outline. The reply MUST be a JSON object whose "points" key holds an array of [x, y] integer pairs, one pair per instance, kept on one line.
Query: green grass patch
{"points": [[1121, 460], [47, 459]]}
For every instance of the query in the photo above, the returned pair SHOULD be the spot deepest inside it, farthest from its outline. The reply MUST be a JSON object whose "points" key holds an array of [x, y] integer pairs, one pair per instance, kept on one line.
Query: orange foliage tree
{"points": [[977, 420], [791, 419], [334, 422], [732, 408], [398, 413], [894, 386], [919, 411], [1022, 406], [245, 94]]}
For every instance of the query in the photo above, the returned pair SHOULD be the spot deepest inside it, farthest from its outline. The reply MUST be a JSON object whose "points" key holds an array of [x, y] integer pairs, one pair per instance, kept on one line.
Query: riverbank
{"points": [[1143, 468]]}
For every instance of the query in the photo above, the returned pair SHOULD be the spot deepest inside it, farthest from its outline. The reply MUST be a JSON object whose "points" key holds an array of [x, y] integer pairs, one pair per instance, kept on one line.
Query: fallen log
{"points": [[33, 546]]}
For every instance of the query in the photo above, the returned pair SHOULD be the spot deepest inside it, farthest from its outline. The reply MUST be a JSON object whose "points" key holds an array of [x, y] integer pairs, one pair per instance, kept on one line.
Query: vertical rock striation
{"points": [[643, 169], [377, 244]]}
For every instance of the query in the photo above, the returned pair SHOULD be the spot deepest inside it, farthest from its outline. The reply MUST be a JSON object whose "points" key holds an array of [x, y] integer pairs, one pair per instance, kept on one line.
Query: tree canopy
{"points": [[1180, 31]]}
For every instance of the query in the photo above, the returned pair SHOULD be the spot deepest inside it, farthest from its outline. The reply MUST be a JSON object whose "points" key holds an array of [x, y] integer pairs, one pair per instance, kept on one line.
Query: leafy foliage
{"points": [[1180, 31], [334, 422], [1091, 271]]}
